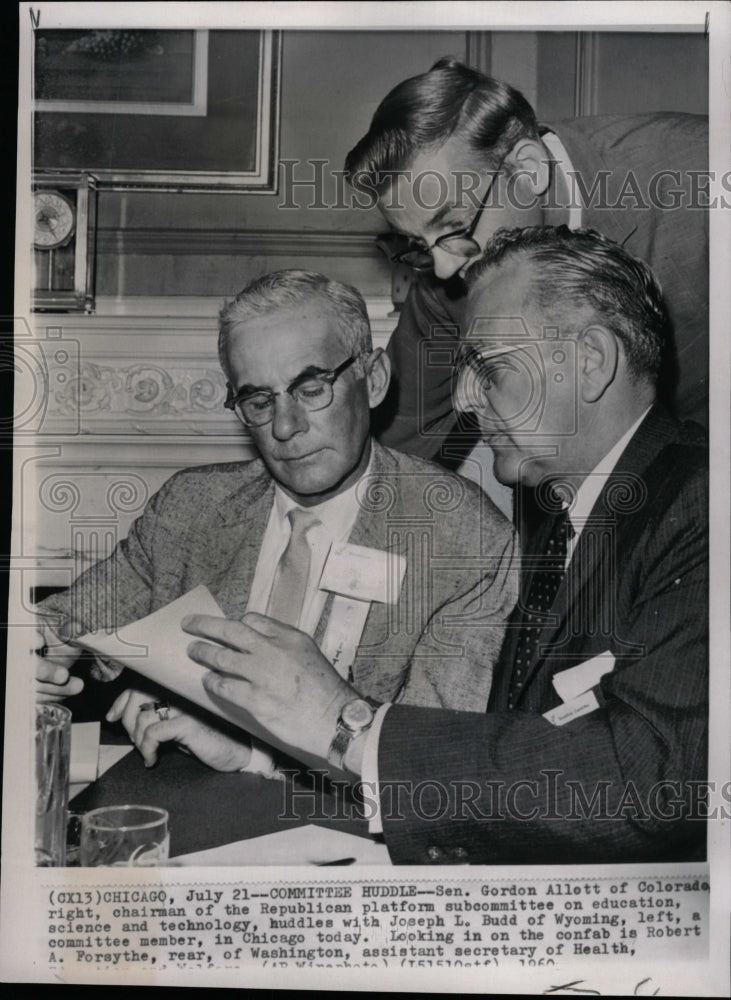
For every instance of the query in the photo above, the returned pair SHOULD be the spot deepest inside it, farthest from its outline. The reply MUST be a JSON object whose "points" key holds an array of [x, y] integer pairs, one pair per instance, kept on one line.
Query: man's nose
{"points": [[445, 264], [289, 418]]}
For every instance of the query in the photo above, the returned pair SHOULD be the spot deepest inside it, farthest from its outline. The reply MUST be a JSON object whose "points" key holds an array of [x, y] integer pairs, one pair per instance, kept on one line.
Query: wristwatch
{"points": [[355, 718]]}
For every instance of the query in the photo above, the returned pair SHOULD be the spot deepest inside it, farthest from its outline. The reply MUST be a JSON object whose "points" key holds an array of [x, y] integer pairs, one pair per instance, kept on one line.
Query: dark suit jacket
{"points": [[510, 787], [639, 178], [436, 645]]}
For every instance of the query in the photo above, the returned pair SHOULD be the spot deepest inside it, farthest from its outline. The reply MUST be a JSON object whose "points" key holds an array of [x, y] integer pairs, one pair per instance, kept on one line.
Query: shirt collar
{"points": [[337, 514], [588, 493], [565, 167]]}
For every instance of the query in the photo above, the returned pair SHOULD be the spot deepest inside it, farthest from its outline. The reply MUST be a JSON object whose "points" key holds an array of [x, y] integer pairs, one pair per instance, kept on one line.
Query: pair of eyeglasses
{"points": [[312, 390], [460, 242]]}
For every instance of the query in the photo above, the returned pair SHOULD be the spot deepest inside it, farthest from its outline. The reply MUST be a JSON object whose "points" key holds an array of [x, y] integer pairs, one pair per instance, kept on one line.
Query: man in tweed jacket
{"points": [[593, 746], [437, 642]]}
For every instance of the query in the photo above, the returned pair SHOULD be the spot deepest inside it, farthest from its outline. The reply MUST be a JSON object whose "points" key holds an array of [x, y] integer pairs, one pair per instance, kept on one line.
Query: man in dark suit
{"points": [[594, 740], [452, 155]]}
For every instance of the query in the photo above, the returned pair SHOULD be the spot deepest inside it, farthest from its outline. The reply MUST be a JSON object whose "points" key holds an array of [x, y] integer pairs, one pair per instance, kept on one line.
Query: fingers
{"points": [[150, 734], [241, 635], [115, 713], [223, 630], [236, 691], [105, 670], [53, 682], [136, 711], [219, 658], [210, 746], [51, 673], [51, 649], [47, 692]]}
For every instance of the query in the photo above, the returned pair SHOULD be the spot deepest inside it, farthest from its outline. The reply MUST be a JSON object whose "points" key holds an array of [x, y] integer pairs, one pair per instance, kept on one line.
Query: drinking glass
{"points": [[124, 836], [53, 749]]}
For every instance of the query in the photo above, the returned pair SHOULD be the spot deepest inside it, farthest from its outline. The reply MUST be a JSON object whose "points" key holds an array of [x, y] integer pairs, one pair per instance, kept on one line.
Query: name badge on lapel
{"points": [[357, 576], [364, 574], [574, 687], [571, 683]]}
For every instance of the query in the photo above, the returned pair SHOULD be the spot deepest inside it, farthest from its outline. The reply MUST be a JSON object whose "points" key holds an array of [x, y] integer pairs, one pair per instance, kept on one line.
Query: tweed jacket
{"points": [[436, 645]]}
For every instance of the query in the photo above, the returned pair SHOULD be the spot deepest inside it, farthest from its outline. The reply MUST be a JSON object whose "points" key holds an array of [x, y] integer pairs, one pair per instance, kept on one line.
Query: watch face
{"points": [[53, 221], [357, 714]]}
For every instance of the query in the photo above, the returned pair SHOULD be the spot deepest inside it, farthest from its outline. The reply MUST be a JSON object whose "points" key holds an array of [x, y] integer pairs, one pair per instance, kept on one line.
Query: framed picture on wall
{"points": [[159, 110]]}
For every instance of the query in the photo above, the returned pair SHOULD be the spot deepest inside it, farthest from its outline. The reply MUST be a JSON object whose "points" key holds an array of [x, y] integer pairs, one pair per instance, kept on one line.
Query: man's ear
{"points": [[529, 162], [378, 376], [597, 353]]}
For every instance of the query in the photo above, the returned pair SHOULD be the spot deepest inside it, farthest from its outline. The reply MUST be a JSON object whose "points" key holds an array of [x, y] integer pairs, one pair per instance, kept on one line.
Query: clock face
{"points": [[53, 221]]}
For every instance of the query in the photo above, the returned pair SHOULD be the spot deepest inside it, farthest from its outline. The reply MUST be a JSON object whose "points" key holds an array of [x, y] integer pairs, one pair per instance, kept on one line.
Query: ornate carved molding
{"points": [[178, 397], [230, 242], [148, 376]]}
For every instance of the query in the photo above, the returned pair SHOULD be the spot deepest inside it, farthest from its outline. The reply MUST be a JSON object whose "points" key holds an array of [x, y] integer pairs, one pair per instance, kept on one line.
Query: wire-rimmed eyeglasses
{"points": [[460, 242]]}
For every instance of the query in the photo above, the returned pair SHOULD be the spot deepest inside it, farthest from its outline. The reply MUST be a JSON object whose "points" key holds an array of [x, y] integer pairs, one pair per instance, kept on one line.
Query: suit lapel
{"points": [[235, 549], [583, 592], [371, 530]]}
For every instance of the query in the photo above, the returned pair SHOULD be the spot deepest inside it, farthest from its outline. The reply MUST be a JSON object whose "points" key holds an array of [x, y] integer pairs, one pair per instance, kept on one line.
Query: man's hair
{"points": [[292, 289], [581, 269], [423, 112]]}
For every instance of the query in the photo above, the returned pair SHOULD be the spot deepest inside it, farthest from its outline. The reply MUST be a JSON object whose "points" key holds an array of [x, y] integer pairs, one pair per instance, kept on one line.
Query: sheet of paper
{"points": [[108, 757], [84, 760], [302, 845], [157, 648], [577, 680]]}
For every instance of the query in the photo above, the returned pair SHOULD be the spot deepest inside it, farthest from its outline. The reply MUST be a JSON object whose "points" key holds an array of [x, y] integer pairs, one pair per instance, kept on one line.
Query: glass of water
{"points": [[53, 750], [125, 836]]}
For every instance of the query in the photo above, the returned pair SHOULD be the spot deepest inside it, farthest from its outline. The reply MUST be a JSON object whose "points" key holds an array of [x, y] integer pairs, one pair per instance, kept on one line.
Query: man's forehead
{"points": [[289, 339], [436, 179], [500, 310]]}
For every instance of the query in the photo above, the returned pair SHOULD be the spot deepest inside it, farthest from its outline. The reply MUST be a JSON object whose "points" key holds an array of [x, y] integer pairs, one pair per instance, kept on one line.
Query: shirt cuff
{"points": [[369, 771], [261, 761]]}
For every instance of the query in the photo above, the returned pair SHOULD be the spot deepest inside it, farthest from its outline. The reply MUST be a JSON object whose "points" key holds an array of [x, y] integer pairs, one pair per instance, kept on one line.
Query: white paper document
{"points": [[302, 845], [157, 648], [84, 762]]}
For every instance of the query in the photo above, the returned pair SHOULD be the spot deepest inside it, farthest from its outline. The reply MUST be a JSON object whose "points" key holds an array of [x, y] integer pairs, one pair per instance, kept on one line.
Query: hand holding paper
{"points": [[53, 660], [274, 672], [269, 678]]}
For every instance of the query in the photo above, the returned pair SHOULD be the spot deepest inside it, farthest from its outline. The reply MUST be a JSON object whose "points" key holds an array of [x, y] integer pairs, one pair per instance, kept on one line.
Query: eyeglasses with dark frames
{"points": [[460, 242], [312, 390]]}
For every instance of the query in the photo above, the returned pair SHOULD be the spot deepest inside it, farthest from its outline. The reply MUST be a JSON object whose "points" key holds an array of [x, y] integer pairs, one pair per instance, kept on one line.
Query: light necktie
{"points": [[544, 586], [290, 580]]}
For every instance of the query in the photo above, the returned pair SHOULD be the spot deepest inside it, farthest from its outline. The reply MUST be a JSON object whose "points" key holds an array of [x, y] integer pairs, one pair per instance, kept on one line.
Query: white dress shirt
{"points": [[565, 167], [337, 517], [592, 485], [586, 496]]}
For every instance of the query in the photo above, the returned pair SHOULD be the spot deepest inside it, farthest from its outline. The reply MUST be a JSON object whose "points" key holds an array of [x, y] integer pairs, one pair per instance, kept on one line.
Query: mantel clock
{"points": [[64, 232]]}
